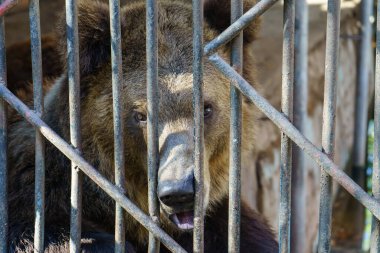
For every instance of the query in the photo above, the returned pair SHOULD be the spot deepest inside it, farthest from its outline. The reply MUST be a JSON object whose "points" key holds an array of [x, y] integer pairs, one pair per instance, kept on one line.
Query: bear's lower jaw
{"points": [[183, 220]]}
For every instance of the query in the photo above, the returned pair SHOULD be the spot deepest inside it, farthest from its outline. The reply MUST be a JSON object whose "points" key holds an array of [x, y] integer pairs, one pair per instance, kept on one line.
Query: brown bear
{"points": [[175, 175], [19, 72]]}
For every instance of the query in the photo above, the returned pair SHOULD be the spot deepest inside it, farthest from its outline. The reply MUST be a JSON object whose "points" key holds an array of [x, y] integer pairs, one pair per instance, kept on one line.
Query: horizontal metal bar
{"points": [[35, 41], [287, 127], [152, 127], [234, 29], [3, 147], [112, 190], [328, 128]]}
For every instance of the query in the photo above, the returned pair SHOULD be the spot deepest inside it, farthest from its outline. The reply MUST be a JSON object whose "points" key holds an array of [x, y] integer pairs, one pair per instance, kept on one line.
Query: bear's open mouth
{"points": [[183, 220]]}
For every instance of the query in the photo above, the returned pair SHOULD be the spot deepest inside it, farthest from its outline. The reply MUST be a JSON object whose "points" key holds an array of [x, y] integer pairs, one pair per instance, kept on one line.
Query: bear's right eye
{"points": [[140, 118]]}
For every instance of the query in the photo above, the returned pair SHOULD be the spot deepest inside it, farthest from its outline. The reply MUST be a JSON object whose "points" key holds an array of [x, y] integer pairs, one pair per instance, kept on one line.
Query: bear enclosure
{"points": [[290, 118]]}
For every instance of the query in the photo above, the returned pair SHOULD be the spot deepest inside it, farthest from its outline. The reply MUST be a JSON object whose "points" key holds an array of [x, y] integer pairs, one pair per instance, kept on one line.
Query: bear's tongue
{"points": [[184, 220]]}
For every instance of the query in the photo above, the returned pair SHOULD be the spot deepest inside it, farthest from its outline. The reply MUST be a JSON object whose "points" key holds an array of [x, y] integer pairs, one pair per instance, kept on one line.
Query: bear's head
{"points": [[175, 80]]}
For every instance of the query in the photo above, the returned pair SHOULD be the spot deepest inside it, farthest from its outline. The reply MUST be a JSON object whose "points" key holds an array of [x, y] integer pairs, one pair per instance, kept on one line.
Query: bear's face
{"points": [[176, 141], [176, 124]]}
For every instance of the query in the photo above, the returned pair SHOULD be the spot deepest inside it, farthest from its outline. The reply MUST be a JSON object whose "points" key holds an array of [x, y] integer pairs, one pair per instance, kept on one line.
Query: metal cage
{"points": [[294, 79]]}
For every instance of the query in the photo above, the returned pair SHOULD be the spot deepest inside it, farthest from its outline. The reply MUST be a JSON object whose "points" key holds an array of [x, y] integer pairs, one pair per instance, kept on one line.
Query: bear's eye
{"points": [[207, 110], [140, 117]]}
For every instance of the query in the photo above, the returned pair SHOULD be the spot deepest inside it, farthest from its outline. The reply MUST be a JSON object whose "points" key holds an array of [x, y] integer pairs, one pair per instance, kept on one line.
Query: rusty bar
{"points": [[152, 128], [328, 128], [298, 203], [291, 131], [39, 202], [375, 236], [118, 122], [235, 138], [198, 125], [71, 153], [6, 5], [74, 102], [362, 99], [287, 109], [234, 29], [3, 147]]}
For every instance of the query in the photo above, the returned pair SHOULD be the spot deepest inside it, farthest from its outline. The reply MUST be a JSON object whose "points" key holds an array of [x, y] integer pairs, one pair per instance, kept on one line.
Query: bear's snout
{"points": [[175, 185], [177, 200], [177, 194]]}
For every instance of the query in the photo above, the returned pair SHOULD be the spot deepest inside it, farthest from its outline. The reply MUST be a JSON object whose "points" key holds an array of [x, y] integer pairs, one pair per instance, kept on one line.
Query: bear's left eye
{"points": [[208, 110], [139, 117]]}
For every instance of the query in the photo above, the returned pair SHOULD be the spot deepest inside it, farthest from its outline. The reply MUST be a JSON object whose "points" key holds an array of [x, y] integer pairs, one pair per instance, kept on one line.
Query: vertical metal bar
{"points": [[3, 147], [35, 39], [361, 106], [287, 109], [198, 124], [375, 236], [298, 203], [361, 112], [152, 97], [74, 101], [235, 138], [117, 82], [328, 129]]}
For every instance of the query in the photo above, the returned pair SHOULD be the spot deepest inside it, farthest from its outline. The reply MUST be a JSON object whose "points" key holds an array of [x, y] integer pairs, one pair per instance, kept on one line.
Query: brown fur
{"points": [[175, 80], [19, 72]]}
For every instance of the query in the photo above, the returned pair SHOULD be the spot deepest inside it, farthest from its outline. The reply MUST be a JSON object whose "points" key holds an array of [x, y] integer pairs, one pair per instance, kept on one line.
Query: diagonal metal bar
{"points": [[291, 131], [234, 29], [71, 153], [7, 5]]}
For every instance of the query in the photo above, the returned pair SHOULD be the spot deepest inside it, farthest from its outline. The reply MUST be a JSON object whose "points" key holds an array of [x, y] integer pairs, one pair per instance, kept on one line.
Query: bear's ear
{"points": [[217, 14], [94, 36]]}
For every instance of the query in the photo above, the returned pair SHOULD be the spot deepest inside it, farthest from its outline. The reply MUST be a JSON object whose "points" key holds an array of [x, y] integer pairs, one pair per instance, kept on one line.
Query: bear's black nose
{"points": [[177, 193]]}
